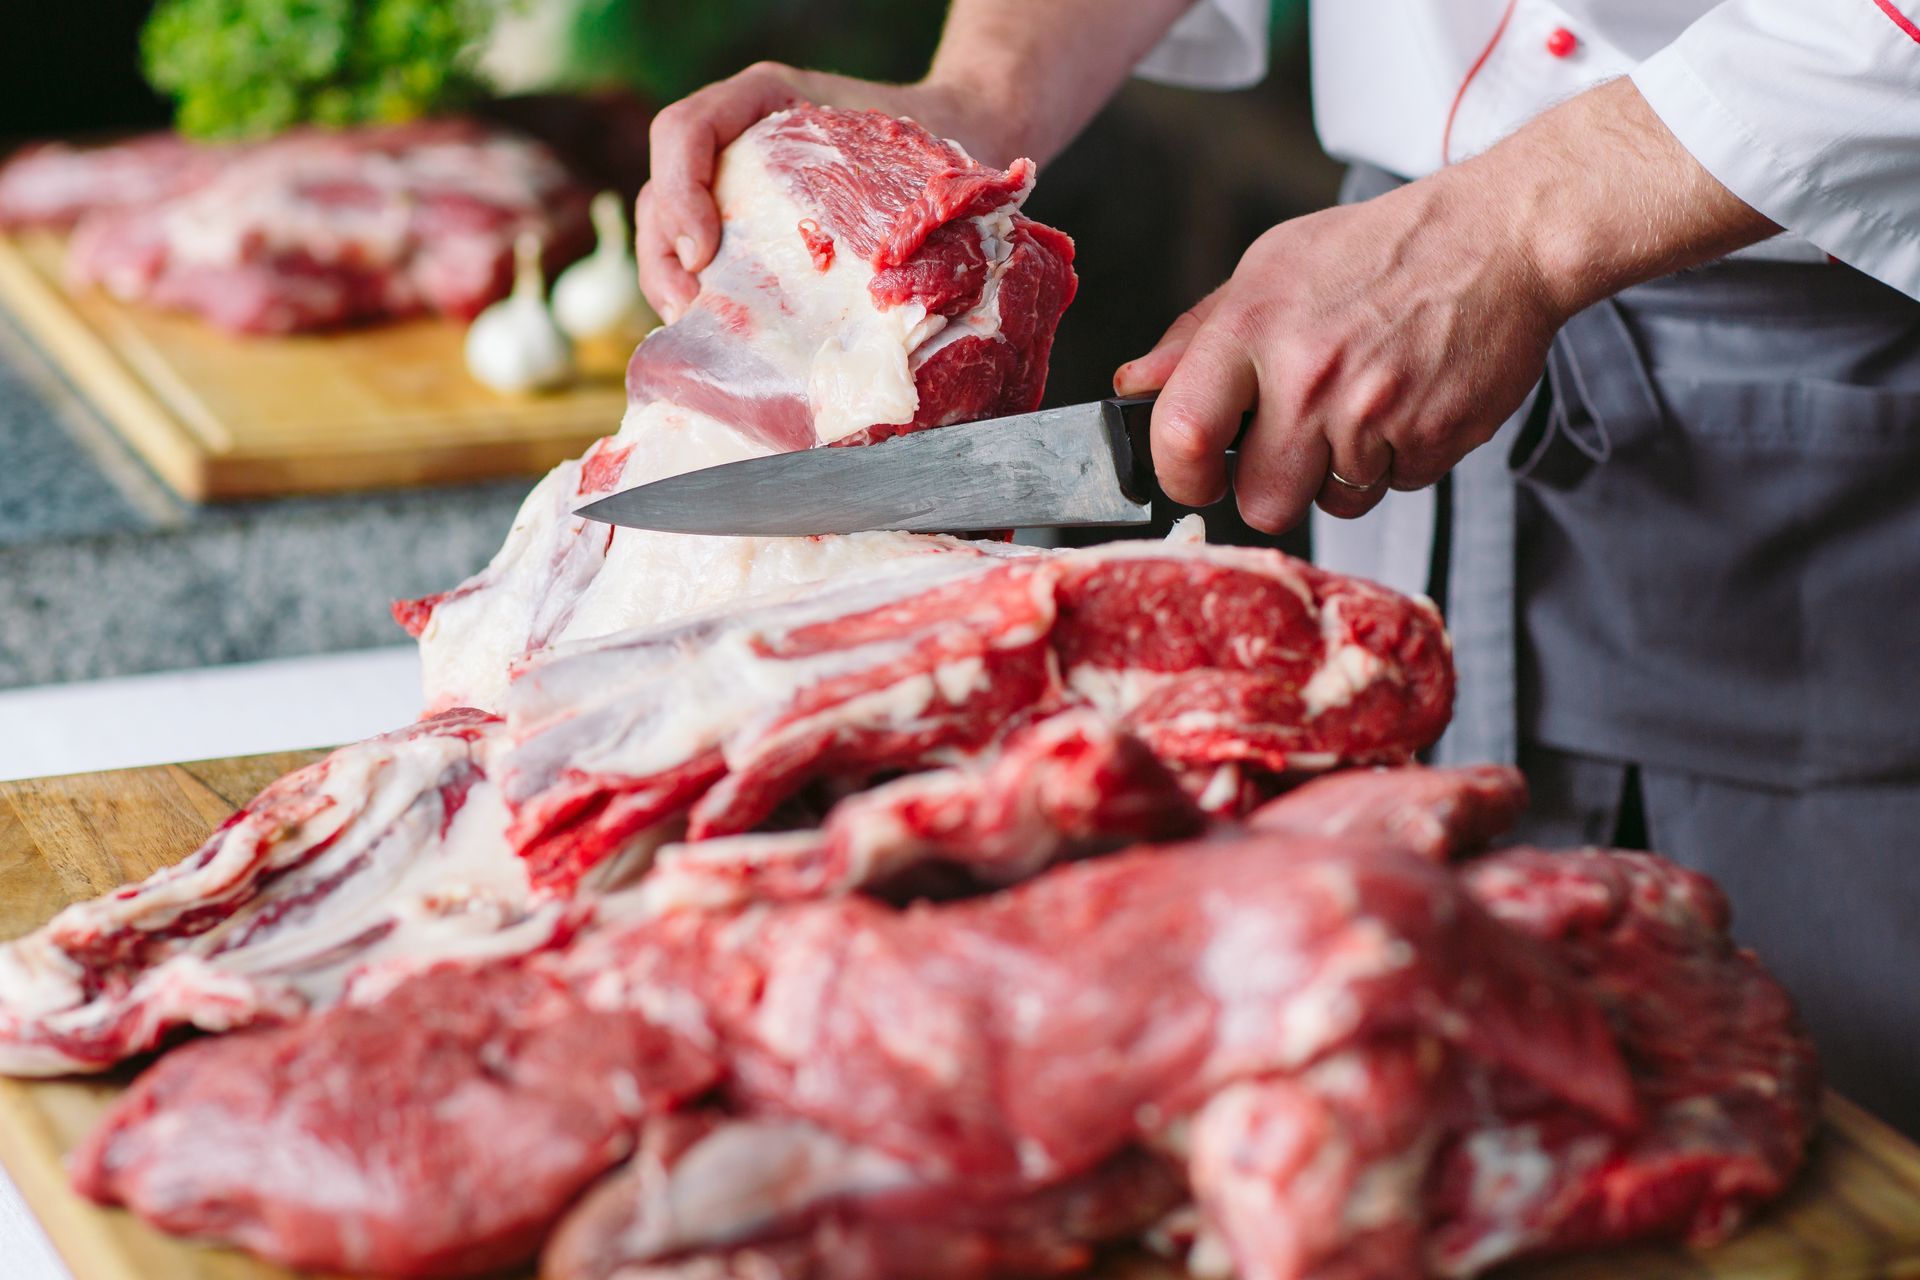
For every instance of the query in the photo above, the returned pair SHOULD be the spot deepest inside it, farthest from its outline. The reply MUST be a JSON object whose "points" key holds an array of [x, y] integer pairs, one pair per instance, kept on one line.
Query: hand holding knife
{"points": [[1082, 465]]}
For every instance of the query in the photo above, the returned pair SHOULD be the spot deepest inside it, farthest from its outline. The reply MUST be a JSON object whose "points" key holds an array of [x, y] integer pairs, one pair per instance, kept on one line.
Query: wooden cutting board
{"points": [[1855, 1214], [220, 416]]}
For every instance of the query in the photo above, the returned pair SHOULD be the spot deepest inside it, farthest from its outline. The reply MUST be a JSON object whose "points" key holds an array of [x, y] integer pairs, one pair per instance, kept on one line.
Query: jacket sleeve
{"points": [[1216, 44], [1809, 110]]}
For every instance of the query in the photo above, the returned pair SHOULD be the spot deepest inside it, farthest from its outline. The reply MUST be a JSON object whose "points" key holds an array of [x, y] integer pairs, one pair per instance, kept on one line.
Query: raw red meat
{"points": [[439, 1132], [1320, 1174], [380, 857], [1357, 1068], [1006, 677], [1725, 1075], [1071, 783], [1010, 1046], [1437, 813], [884, 185], [311, 230], [810, 1206], [942, 310], [56, 185], [1209, 656]]}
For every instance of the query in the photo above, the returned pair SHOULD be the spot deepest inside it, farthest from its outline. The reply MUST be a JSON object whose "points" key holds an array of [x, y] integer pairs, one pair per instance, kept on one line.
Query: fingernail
{"points": [[685, 249]]}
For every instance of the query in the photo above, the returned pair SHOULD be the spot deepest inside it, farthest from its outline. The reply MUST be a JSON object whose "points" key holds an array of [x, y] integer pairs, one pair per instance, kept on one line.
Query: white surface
{"points": [[188, 715], [217, 711], [25, 1253]]}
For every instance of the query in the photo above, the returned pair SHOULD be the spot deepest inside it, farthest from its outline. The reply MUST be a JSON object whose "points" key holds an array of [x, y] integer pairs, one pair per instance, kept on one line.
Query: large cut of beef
{"points": [[1005, 1045], [1216, 660], [871, 279], [313, 229]]}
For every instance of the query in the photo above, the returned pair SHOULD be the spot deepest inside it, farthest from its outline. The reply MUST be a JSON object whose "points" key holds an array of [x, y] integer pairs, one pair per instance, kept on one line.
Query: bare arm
{"points": [[1036, 73], [1011, 78], [1385, 340]]}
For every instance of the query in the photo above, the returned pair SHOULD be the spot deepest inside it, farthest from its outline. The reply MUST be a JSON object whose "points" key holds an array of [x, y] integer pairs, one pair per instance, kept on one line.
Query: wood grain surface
{"points": [[224, 416], [1854, 1215]]}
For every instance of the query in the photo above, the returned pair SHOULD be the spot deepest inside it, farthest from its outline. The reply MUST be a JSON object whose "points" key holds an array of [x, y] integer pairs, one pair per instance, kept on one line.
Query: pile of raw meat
{"points": [[899, 906], [314, 229]]}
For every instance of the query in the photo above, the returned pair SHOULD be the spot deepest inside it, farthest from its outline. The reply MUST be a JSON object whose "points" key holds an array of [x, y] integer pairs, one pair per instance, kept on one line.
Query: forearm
{"points": [[1599, 195], [1034, 72]]}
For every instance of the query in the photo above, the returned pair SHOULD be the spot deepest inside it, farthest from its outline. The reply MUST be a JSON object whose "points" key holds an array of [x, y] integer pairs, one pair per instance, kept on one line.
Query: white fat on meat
{"points": [[819, 329], [559, 579], [640, 703], [381, 858]]}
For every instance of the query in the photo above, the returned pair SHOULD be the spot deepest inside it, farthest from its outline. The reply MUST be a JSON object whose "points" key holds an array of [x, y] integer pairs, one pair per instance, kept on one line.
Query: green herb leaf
{"points": [[247, 68]]}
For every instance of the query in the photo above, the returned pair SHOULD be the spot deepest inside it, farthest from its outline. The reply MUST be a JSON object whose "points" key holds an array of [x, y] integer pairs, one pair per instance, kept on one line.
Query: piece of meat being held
{"points": [[898, 905]]}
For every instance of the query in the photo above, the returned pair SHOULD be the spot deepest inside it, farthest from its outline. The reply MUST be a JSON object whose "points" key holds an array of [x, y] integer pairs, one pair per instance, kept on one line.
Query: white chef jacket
{"points": [[1809, 110]]}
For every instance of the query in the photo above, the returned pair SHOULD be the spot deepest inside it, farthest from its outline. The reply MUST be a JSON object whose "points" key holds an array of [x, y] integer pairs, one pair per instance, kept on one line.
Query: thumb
{"points": [[1151, 371]]}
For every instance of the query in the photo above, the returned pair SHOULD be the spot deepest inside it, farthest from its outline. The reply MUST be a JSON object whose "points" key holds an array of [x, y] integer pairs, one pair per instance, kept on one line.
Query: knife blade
{"points": [[1082, 465]]}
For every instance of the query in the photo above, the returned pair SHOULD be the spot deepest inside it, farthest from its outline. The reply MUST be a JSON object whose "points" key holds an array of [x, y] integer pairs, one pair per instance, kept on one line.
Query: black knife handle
{"points": [[1133, 442]]}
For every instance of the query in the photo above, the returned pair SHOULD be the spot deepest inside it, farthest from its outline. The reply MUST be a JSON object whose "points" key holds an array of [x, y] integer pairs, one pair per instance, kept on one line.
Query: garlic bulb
{"points": [[514, 345], [599, 296]]}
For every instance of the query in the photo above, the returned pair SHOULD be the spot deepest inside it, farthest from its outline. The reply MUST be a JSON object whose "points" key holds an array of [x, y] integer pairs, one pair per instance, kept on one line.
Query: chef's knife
{"points": [[1086, 464]]}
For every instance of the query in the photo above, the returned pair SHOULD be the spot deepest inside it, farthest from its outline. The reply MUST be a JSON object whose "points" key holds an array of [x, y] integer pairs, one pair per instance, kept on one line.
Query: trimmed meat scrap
{"points": [[1437, 813], [1068, 784]]}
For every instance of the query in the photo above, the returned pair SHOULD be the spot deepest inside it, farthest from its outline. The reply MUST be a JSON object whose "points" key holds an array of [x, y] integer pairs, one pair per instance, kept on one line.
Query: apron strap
{"points": [[1586, 416]]}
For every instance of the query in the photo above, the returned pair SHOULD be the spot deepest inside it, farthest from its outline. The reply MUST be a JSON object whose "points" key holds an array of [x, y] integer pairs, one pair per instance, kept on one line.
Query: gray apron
{"points": [[1706, 529], [1719, 567]]}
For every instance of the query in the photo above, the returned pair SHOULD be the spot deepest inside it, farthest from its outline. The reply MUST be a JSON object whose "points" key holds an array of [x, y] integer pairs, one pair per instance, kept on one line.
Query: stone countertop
{"points": [[104, 572]]}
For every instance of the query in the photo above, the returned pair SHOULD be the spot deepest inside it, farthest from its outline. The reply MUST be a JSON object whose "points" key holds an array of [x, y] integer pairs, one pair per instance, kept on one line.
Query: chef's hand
{"points": [[1380, 342], [676, 223], [1011, 78], [1377, 342]]}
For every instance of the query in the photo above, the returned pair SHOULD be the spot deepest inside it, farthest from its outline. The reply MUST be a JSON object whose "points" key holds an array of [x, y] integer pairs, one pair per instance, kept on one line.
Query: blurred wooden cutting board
{"points": [[219, 416], [1854, 1215]]}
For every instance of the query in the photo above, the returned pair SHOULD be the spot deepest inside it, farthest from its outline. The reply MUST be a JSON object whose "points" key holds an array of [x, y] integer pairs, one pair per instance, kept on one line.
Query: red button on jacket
{"points": [[1562, 42]]}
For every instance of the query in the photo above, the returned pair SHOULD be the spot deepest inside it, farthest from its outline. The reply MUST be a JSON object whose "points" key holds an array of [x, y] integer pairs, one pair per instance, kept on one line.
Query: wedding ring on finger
{"points": [[1345, 483]]}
